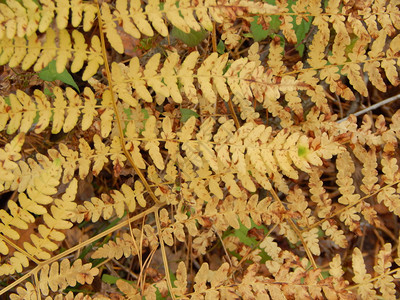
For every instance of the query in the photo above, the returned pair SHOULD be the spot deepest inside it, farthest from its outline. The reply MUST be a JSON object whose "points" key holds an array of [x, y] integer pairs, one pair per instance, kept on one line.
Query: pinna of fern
{"points": [[343, 62], [23, 19], [30, 52]]}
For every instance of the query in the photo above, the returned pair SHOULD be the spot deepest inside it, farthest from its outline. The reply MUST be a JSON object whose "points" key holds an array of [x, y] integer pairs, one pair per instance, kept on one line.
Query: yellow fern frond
{"points": [[346, 168], [128, 244], [63, 274], [9, 156], [108, 204], [124, 246], [337, 236], [385, 280], [22, 119], [361, 277], [14, 51]]}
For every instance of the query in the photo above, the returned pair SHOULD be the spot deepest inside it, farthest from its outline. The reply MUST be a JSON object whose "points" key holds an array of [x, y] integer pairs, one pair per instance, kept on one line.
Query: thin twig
{"points": [[372, 107], [223, 245], [127, 270]]}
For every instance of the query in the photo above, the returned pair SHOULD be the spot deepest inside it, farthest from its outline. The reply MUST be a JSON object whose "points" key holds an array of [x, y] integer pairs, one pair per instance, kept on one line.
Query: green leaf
{"points": [[7, 101], [221, 47], [47, 92], [49, 73], [146, 116], [173, 278], [353, 39], [109, 279], [187, 113], [301, 32], [128, 113], [145, 113], [158, 294], [242, 235], [257, 31], [112, 279], [192, 39], [146, 44]]}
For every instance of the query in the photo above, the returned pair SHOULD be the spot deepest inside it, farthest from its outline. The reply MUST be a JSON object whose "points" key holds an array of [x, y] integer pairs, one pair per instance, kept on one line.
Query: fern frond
{"points": [[108, 204], [385, 281], [376, 60], [245, 80], [215, 278], [390, 198], [39, 191], [346, 168], [26, 17], [40, 53], [226, 154], [319, 194], [124, 246], [128, 245], [64, 110], [390, 169], [136, 21], [370, 174], [21, 175], [217, 217], [58, 276], [9, 156], [361, 277], [216, 171], [336, 235]]}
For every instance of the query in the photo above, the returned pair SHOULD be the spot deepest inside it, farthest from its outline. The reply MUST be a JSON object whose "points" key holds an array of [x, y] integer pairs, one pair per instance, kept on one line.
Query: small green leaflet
{"points": [[257, 31], [112, 279], [187, 113], [301, 32], [49, 73], [221, 47], [242, 235], [192, 39]]}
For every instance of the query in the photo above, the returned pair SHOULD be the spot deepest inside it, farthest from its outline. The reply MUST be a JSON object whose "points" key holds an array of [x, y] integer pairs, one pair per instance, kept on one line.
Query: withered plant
{"points": [[228, 167]]}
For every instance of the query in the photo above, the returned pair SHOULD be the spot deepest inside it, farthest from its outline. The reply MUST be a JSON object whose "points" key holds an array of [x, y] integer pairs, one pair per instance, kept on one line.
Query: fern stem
{"points": [[129, 157], [126, 269], [373, 279], [214, 38], [338, 212], [164, 255], [223, 245], [139, 253], [298, 233], [235, 119], [79, 246], [37, 285], [117, 116], [146, 263], [16, 247]]}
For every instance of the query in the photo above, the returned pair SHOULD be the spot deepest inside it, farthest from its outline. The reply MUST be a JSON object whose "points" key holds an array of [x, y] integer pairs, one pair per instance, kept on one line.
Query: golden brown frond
{"points": [[215, 168]]}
